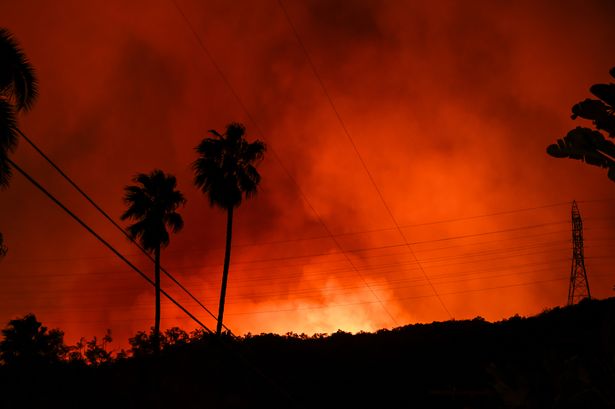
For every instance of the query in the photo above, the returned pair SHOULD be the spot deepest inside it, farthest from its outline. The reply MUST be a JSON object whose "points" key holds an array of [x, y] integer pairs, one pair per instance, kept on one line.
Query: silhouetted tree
{"points": [[590, 145], [76, 353], [142, 343], [27, 342], [18, 91], [92, 352], [175, 336], [225, 171], [96, 353], [153, 205]]}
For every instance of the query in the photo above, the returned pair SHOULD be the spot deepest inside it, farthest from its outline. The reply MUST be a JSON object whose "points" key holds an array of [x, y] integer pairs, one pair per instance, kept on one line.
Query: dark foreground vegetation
{"points": [[562, 358]]}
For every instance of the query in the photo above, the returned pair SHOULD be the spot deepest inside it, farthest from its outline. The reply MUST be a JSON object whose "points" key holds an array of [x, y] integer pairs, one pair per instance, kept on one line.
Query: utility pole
{"points": [[579, 285]]}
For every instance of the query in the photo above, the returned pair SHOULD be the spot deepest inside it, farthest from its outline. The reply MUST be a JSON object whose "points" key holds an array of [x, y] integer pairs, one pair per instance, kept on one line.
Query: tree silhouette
{"points": [[225, 172], [590, 145], [142, 344], [27, 342], [18, 91], [153, 205]]}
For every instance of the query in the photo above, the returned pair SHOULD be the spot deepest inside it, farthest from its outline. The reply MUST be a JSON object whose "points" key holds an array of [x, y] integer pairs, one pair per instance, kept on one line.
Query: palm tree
{"points": [[225, 172], [18, 91], [153, 205]]}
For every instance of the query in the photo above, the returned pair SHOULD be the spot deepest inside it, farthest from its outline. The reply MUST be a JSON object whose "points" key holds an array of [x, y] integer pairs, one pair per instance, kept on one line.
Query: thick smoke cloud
{"points": [[450, 105]]}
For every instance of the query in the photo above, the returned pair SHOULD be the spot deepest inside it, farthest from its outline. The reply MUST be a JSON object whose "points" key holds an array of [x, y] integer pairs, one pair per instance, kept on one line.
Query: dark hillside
{"points": [[562, 358]]}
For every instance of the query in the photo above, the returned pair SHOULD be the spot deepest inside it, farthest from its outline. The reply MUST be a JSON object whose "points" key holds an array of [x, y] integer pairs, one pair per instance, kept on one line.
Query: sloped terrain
{"points": [[562, 358]]}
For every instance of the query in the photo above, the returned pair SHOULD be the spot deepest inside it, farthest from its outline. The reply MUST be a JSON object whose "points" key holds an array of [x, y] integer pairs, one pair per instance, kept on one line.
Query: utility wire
{"points": [[113, 222], [103, 241], [527, 283], [142, 306], [421, 242], [356, 150], [470, 275], [276, 157], [324, 268]]}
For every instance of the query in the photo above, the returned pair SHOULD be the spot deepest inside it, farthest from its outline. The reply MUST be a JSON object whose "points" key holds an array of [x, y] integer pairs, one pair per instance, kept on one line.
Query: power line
{"points": [[373, 302], [364, 249], [421, 242], [409, 297], [86, 293], [412, 283], [380, 267], [103, 241], [400, 299], [406, 226], [110, 219], [257, 312], [356, 150], [388, 284]]}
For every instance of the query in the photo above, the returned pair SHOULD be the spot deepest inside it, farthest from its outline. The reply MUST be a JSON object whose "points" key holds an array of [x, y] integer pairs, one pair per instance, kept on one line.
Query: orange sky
{"points": [[450, 105]]}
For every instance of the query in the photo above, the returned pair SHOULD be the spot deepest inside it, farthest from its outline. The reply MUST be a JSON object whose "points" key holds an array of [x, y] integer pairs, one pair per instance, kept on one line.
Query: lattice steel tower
{"points": [[579, 286]]}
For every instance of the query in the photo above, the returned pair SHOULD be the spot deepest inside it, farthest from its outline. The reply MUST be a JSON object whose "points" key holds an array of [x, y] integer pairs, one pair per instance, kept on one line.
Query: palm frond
{"points": [[235, 131], [175, 199], [589, 109], [137, 229], [249, 179], [605, 92], [18, 80], [587, 145], [8, 140], [214, 132], [152, 204], [174, 221], [255, 151], [224, 169]]}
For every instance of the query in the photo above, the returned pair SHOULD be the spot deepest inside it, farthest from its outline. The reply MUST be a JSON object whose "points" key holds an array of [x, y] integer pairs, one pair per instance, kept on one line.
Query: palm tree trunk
{"points": [[227, 261], [157, 283]]}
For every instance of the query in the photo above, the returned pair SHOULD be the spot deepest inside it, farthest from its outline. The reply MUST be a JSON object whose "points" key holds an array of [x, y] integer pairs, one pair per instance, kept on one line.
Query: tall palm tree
{"points": [[18, 91], [153, 204], [225, 172]]}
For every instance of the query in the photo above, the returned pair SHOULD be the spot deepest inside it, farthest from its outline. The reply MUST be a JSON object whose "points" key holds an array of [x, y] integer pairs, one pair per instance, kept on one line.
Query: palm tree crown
{"points": [[18, 91], [18, 84], [225, 170], [153, 205]]}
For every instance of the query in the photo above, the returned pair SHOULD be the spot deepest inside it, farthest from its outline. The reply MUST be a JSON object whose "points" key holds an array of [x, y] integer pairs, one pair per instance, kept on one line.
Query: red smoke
{"points": [[450, 105]]}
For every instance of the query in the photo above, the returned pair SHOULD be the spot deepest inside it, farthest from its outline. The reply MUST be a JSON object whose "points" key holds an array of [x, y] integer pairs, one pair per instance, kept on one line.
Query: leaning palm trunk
{"points": [[157, 285], [227, 261]]}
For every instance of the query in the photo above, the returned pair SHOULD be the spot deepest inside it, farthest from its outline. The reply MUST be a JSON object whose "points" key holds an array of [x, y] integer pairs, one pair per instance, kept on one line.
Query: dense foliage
{"points": [[562, 358], [587, 144]]}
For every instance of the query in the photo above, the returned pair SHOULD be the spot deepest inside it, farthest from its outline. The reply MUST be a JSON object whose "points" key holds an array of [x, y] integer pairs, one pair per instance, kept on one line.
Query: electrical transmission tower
{"points": [[579, 285]]}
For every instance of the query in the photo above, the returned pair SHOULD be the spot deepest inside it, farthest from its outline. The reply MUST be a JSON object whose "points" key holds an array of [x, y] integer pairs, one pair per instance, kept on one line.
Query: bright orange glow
{"points": [[450, 105]]}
